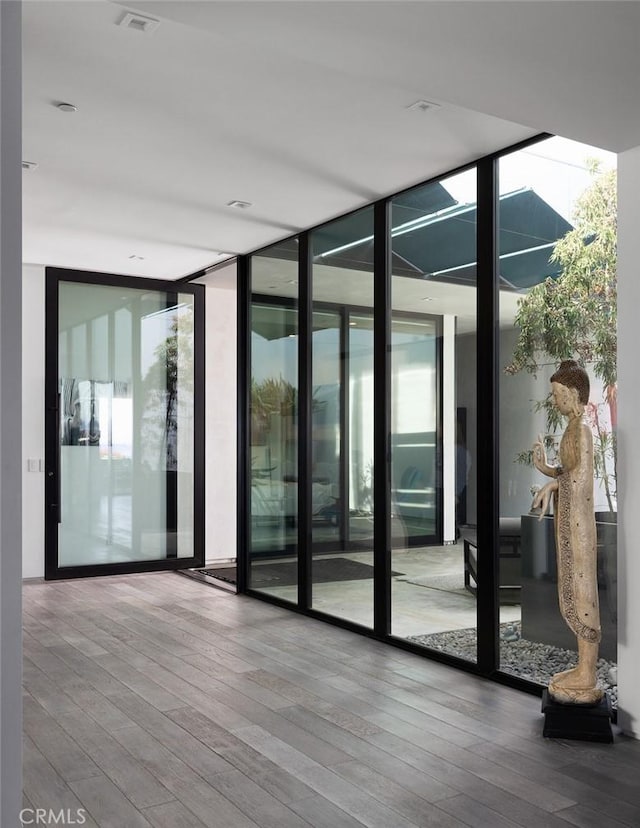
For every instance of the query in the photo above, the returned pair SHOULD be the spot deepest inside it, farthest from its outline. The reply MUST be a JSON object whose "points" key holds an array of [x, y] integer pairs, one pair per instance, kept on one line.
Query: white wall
{"points": [[32, 420], [628, 441], [221, 418]]}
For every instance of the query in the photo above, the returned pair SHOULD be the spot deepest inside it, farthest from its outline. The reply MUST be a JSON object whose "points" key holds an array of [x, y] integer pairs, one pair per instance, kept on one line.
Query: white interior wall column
{"points": [[10, 413], [449, 428], [221, 412], [628, 441], [33, 321]]}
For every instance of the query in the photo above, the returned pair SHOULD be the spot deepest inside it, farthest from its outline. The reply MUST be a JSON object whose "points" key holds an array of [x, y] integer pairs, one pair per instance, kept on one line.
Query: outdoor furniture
{"points": [[510, 576]]}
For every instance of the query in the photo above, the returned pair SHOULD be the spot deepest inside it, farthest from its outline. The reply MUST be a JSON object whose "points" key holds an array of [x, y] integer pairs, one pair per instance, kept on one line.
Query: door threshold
{"points": [[205, 576]]}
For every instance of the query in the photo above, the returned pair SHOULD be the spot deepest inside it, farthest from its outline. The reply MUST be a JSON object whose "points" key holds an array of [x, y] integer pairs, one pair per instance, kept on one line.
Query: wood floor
{"points": [[155, 700]]}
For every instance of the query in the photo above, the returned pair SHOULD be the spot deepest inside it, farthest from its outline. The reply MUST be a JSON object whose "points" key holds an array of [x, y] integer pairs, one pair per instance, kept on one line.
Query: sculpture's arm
{"points": [[585, 448], [540, 459], [543, 497]]}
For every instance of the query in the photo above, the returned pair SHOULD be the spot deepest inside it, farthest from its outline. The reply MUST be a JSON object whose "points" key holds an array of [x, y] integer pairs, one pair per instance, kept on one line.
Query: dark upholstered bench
{"points": [[510, 576]]}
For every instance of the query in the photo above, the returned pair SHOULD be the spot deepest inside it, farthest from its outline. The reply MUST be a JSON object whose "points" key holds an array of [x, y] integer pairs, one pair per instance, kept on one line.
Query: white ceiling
{"points": [[297, 107]]}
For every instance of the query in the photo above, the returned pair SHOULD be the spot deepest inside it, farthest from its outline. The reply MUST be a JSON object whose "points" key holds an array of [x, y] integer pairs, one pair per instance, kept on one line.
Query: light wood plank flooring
{"points": [[155, 700]]}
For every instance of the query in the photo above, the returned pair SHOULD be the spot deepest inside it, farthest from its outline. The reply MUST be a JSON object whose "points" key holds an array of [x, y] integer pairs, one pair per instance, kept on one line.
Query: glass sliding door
{"points": [[434, 415], [461, 563], [124, 479], [273, 414], [342, 418]]}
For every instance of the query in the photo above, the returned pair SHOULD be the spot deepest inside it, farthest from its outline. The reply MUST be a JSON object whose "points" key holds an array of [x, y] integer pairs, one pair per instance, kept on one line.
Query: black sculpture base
{"points": [[587, 722]]}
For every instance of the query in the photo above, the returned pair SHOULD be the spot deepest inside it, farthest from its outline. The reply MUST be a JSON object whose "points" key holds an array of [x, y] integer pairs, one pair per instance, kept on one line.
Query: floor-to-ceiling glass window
{"points": [[433, 413], [342, 418], [121, 481], [273, 415], [557, 301], [556, 276]]}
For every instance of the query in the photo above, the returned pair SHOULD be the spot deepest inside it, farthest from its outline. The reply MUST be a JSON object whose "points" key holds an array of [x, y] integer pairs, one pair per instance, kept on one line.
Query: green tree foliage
{"points": [[575, 315]]}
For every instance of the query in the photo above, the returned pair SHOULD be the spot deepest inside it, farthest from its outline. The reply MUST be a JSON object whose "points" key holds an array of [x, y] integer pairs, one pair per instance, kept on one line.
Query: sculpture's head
{"points": [[570, 387]]}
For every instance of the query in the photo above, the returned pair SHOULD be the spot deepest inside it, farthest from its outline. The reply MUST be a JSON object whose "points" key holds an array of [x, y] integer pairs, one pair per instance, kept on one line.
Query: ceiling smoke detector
{"points": [[239, 205], [29, 165], [66, 107], [424, 106], [139, 22]]}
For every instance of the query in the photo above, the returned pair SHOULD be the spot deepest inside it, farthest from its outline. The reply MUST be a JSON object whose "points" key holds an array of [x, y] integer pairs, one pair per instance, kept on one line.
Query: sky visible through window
{"points": [[556, 169]]}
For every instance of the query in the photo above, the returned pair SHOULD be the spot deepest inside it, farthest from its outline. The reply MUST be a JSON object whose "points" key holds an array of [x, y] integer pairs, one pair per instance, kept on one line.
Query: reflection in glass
{"points": [[414, 431], [326, 442], [433, 414], [273, 408], [555, 193], [343, 416], [126, 403], [361, 420]]}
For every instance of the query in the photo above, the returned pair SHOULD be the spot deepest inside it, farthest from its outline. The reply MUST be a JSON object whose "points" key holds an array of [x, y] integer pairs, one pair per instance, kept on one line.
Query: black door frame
{"points": [[344, 312], [53, 571]]}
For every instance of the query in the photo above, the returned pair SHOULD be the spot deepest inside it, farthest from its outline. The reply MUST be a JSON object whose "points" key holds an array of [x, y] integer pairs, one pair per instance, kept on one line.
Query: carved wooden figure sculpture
{"points": [[575, 530]]}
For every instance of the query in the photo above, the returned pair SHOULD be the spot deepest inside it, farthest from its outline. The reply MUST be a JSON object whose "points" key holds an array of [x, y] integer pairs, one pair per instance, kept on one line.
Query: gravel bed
{"points": [[519, 657]]}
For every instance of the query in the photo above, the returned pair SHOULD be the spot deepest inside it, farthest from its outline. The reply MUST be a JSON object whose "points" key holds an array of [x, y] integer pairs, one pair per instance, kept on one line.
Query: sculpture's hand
{"points": [[540, 455], [543, 498]]}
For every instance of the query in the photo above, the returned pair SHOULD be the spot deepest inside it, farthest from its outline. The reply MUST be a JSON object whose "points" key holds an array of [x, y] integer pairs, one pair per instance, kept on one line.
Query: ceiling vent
{"points": [[139, 22], [424, 106]]}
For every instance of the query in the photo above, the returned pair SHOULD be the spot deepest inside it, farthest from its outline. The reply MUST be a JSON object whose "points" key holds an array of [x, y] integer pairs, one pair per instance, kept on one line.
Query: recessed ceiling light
{"points": [[427, 299], [66, 107], [138, 258], [352, 324], [29, 165], [424, 106], [139, 22], [240, 205], [292, 281]]}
